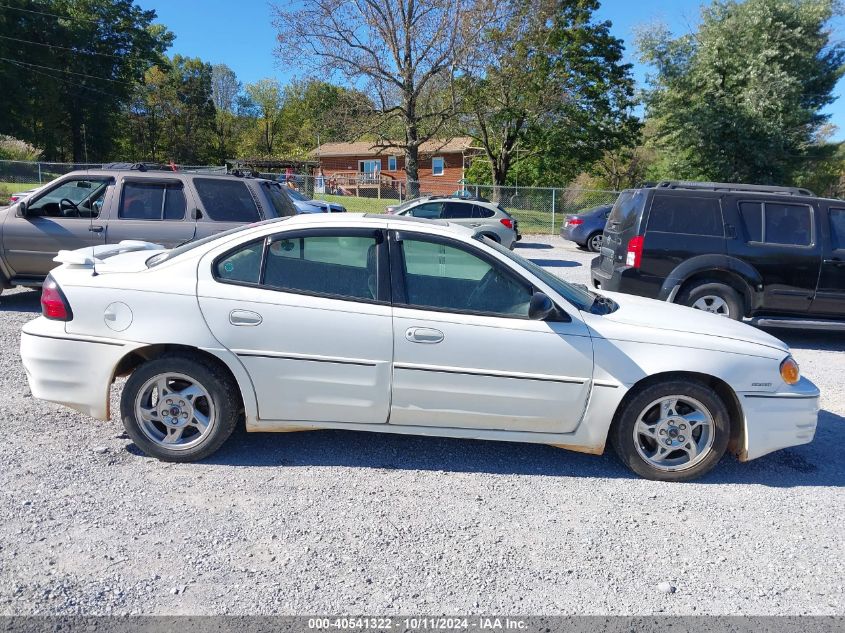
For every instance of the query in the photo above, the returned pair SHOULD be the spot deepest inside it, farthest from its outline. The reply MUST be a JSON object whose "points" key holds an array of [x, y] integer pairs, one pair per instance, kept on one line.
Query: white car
{"points": [[396, 325]]}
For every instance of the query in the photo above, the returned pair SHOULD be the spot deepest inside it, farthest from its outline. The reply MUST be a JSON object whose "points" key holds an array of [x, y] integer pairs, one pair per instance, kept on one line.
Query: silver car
{"points": [[484, 217]]}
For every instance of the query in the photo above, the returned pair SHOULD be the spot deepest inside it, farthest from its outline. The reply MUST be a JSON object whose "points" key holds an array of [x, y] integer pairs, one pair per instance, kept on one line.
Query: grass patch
{"points": [[358, 205], [8, 188]]}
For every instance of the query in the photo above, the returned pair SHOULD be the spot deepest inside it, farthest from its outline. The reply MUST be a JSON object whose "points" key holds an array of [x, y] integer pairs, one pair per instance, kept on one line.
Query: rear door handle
{"points": [[244, 317], [96, 228], [423, 335]]}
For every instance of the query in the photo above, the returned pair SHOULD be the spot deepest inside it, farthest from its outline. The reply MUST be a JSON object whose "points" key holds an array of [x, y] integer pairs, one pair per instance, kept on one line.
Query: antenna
{"points": [[92, 232]]}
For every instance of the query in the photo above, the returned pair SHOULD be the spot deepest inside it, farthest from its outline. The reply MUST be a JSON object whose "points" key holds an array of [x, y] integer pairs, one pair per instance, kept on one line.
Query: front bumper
{"points": [[778, 420], [75, 372]]}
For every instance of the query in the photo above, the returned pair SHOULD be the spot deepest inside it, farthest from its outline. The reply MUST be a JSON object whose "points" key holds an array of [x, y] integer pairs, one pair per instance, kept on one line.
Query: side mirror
{"points": [[196, 214], [541, 307], [21, 212]]}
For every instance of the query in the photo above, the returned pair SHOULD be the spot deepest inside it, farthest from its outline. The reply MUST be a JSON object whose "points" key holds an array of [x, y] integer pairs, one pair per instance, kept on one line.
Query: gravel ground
{"points": [[342, 522]]}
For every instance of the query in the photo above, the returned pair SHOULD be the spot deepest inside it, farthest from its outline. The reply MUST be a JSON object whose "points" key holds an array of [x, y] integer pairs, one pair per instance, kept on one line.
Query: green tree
{"points": [[405, 52], [172, 116], [316, 112], [225, 90], [70, 68], [741, 99], [266, 97], [550, 91]]}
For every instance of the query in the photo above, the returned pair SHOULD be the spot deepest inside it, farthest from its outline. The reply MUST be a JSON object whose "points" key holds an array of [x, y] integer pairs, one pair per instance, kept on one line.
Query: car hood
{"points": [[638, 318]]}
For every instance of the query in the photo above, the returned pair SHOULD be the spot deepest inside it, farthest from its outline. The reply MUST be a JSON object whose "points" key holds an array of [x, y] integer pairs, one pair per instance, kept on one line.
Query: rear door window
{"points": [[152, 201], [457, 211], [686, 215], [777, 223], [341, 266], [787, 224], [227, 200]]}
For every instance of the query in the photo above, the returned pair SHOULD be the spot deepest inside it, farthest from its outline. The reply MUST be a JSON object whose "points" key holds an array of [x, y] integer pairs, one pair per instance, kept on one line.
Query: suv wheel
{"points": [[672, 431], [713, 297]]}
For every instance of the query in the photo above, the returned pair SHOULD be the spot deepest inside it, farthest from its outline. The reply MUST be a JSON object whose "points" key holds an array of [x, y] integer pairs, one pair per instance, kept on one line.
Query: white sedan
{"points": [[393, 325]]}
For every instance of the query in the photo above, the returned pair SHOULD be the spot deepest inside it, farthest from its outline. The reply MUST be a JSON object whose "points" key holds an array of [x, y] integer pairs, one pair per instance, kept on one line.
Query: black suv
{"points": [[774, 254]]}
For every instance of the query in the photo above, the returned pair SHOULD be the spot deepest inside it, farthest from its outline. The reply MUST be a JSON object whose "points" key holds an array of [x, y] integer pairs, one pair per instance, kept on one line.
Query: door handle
{"points": [[244, 317], [423, 335], [95, 228]]}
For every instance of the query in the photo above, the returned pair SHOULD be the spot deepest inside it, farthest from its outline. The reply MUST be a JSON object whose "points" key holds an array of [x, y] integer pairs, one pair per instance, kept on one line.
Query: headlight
{"points": [[789, 371]]}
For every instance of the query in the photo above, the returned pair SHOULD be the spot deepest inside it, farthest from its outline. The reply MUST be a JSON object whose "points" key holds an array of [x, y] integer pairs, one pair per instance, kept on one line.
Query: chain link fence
{"points": [[538, 209], [15, 172]]}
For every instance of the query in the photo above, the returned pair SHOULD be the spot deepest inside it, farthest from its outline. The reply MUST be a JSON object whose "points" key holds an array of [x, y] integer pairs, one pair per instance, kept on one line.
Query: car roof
{"points": [[159, 174]]}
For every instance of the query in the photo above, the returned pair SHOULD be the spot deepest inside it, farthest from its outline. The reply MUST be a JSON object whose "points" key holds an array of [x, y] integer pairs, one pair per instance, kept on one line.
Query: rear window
{"points": [[280, 201], [629, 205], [226, 200], [482, 212], [685, 215]]}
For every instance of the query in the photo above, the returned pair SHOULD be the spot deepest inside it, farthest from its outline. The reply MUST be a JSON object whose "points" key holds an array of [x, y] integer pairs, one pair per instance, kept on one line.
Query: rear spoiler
{"points": [[89, 256]]}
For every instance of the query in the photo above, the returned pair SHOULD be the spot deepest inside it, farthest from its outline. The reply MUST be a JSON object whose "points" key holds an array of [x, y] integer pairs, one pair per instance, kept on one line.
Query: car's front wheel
{"points": [[178, 409], [672, 431]]}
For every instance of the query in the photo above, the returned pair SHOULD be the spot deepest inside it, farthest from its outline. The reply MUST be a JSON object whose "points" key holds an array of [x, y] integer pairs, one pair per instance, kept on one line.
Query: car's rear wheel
{"points": [[178, 409], [672, 431], [714, 297], [594, 242]]}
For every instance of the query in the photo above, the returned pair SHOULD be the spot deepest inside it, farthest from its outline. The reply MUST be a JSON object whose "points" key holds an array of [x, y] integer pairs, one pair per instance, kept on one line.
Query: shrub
{"points": [[15, 149]]}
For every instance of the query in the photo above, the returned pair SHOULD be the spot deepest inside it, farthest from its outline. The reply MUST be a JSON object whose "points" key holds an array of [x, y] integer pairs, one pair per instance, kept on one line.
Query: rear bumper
{"points": [[778, 420], [572, 234], [70, 371], [624, 279]]}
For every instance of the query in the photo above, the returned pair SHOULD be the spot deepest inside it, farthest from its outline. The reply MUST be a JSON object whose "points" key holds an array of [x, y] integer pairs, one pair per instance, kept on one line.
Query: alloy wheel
{"points": [[674, 433], [712, 304], [174, 411]]}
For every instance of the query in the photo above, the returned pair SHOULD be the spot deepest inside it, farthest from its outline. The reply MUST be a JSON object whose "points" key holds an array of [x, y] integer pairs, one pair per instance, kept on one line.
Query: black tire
{"points": [[593, 248], [220, 388], [709, 293], [622, 431]]}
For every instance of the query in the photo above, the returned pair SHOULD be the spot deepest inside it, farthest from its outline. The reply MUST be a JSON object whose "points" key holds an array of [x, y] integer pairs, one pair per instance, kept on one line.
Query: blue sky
{"points": [[241, 34]]}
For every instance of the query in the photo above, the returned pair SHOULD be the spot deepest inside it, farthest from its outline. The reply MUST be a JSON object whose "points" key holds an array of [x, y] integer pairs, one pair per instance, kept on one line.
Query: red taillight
{"points": [[635, 252], [53, 303], [14, 199], [574, 221], [507, 222]]}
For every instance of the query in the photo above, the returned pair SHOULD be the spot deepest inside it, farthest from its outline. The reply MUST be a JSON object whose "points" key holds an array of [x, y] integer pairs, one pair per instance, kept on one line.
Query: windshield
{"points": [[580, 297], [160, 258]]}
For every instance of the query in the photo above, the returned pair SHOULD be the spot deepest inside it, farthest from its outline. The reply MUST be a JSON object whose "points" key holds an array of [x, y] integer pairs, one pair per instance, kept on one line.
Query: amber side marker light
{"points": [[789, 371]]}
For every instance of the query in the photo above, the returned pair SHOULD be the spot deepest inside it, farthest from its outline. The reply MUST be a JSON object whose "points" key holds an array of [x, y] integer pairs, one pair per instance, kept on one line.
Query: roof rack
{"points": [[726, 186]]}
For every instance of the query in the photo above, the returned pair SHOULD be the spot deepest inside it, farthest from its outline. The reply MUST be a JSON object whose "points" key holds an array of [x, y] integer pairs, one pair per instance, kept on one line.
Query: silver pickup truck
{"points": [[87, 208]]}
